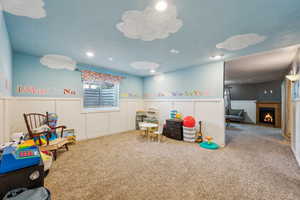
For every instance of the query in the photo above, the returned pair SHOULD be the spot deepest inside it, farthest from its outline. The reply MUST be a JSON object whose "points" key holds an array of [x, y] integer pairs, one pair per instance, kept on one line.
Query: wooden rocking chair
{"points": [[34, 121]]}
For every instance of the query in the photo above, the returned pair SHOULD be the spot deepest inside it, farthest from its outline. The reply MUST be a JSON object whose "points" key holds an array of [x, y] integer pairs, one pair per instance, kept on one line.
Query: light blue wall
{"points": [[205, 81], [5, 60], [31, 78]]}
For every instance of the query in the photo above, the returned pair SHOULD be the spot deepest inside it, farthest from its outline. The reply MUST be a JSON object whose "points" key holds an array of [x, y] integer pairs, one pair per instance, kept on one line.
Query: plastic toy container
{"points": [[14, 159], [173, 114]]}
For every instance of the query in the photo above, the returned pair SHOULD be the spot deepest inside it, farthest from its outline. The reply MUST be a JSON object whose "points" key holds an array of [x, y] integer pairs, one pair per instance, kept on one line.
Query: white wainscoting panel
{"points": [[132, 107], [97, 124], [296, 136], [249, 107], [16, 107], [210, 111], [118, 120], [212, 115], [69, 113], [185, 107], [164, 107], [86, 124]]}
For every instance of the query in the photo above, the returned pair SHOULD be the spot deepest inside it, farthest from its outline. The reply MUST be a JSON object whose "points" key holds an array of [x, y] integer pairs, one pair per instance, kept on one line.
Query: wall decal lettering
{"points": [[31, 90], [190, 93], [7, 84], [126, 95], [69, 92]]}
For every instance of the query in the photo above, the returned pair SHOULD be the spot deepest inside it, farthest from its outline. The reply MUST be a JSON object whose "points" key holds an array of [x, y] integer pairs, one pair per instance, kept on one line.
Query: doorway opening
{"points": [[257, 93]]}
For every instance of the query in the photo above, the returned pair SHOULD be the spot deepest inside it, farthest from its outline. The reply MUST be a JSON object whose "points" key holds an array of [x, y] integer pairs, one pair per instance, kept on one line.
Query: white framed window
{"points": [[100, 95]]}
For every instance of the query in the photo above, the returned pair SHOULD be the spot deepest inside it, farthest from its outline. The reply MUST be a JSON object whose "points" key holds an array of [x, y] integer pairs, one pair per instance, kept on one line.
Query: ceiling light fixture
{"points": [[293, 77], [152, 71], [110, 59], [294, 74], [90, 54], [161, 6], [175, 51], [217, 57]]}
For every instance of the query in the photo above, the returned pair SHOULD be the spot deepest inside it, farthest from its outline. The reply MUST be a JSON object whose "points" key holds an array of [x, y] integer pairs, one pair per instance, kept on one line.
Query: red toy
{"points": [[23, 154], [189, 122]]}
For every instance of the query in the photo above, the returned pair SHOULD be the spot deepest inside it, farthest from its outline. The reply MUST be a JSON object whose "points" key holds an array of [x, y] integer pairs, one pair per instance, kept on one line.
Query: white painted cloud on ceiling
{"points": [[239, 42], [27, 8], [58, 62], [150, 24], [144, 65]]}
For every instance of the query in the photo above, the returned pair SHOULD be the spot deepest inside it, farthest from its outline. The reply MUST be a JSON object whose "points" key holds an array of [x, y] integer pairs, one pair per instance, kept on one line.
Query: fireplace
{"points": [[267, 115]]}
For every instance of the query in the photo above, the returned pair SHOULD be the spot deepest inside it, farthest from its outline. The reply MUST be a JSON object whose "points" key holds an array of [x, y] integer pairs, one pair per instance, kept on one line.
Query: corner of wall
{"points": [[5, 59]]}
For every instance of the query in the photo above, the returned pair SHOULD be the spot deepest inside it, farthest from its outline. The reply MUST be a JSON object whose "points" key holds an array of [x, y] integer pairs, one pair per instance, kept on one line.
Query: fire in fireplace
{"points": [[267, 115], [268, 118]]}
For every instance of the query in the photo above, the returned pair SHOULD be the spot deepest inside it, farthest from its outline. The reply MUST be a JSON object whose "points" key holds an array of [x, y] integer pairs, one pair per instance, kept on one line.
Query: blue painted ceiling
{"points": [[71, 27]]}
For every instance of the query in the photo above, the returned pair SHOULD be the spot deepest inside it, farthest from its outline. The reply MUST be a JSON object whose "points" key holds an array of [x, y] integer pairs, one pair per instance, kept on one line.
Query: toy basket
{"points": [[189, 134]]}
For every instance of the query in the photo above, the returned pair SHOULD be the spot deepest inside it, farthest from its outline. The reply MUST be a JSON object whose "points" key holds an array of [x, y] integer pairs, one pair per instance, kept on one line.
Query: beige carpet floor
{"points": [[256, 164]]}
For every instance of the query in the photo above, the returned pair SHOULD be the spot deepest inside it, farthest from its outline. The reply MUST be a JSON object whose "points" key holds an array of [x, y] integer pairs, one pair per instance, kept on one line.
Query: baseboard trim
{"points": [[296, 157], [108, 134]]}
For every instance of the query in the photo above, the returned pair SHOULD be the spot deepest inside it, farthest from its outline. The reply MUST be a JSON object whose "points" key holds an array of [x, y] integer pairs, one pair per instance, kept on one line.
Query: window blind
{"points": [[101, 94]]}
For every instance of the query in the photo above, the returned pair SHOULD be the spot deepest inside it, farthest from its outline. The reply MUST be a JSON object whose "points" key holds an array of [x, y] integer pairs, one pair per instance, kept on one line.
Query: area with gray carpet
{"points": [[257, 163]]}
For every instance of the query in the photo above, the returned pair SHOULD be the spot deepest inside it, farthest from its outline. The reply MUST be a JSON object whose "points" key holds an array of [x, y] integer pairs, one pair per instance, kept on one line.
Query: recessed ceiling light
{"points": [[175, 51], [90, 54], [217, 57], [110, 59], [161, 6], [152, 71]]}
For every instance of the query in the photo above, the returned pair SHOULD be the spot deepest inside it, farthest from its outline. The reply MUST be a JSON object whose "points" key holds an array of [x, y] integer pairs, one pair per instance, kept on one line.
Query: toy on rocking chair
{"points": [[209, 144]]}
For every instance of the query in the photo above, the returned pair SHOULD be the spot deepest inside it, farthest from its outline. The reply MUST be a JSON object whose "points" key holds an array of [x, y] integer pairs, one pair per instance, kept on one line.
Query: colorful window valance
{"points": [[90, 76]]}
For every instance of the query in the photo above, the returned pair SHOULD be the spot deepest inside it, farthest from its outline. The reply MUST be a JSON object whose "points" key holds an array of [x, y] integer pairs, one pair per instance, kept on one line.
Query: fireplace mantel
{"points": [[270, 104]]}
